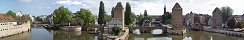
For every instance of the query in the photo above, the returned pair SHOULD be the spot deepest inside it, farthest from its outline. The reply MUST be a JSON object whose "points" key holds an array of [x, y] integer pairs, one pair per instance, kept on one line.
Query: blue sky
{"points": [[154, 7]]}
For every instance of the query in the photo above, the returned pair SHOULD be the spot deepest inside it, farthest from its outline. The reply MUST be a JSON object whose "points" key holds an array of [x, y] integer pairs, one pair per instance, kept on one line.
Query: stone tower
{"points": [[177, 17], [217, 18], [119, 13]]}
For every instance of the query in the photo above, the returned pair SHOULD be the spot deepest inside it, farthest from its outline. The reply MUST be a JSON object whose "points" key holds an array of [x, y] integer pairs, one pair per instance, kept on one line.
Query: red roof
{"points": [[6, 18]]}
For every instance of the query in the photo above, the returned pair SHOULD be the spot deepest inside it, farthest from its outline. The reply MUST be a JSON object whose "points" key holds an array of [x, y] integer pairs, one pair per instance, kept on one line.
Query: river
{"points": [[40, 33]]}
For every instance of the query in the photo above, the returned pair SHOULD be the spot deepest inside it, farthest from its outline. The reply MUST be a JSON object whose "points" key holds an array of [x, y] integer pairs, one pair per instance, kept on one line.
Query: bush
{"points": [[116, 30]]}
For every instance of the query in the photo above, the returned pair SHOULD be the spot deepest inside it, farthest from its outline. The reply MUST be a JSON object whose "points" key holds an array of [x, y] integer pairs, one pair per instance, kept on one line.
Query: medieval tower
{"points": [[217, 18], [119, 12], [177, 17]]}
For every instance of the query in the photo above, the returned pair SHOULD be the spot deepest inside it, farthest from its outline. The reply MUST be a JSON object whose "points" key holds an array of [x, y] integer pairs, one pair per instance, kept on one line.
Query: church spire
{"points": [[164, 8]]}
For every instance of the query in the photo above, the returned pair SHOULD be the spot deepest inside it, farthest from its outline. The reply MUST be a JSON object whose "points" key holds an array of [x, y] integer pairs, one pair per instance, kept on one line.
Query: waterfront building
{"points": [[22, 19], [177, 21], [217, 18], [177, 17], [114, 23], [20, 15], [50, 19], [119, 13], [9, 26], [189, 19]]}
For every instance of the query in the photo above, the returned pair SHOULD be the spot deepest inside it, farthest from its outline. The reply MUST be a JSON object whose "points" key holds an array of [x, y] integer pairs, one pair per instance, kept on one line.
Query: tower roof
{"points": [[216, 9], [119, 4], [176, 6]]}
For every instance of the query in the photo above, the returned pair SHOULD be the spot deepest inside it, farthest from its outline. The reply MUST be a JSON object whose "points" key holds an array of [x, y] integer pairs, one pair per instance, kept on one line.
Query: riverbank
{"points": [[240, 34]]}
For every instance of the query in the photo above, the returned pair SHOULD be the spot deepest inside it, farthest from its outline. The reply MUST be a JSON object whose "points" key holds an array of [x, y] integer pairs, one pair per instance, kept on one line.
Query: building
{"points": [[189, 19], [119, 13], [114, 23], [20, 16], [7, 20], [177, 21], [177, 17], [19, 13], [217, 18], [9, 26]]}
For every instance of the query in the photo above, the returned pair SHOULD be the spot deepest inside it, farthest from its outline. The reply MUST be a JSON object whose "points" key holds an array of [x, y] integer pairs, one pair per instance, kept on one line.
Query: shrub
{"points": [[116, 30]]}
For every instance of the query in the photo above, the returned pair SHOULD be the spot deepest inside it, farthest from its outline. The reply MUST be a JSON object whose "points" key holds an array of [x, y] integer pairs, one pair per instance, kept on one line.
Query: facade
{"points": [[22, 19], [9, 26], [189, 19], [177, 17], [177, 21], [119, 13], [114, 23], [217, 18]]}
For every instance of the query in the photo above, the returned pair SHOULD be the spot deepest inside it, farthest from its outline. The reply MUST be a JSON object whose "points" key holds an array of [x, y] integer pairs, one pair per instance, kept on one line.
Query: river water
{"points": [[40, 33]]}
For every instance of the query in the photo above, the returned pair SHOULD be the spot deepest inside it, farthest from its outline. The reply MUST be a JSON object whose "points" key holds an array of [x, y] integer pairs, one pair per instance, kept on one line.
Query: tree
{"points": [[226, 13], [11, 13], [112, 12], [145, 13], [165, 17], [85, 17], [62, 16], [141, 19], [56, 16], [116, 30], [128, 15], [101, 15]]}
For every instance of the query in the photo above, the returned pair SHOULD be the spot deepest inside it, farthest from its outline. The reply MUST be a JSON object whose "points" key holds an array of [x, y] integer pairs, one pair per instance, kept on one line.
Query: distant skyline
{"points": [[153, 7]]}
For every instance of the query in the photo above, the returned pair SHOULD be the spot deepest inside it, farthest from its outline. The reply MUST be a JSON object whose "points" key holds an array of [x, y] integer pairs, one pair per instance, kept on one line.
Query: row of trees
{"points": [[63, 16]]}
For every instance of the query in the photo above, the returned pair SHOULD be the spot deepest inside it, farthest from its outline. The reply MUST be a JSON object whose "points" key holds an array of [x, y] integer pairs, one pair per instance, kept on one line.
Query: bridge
{"points": [[148, 29]]}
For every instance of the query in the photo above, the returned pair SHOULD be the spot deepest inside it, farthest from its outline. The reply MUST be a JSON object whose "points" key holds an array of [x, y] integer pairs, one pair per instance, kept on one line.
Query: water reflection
{"points": [[39, 33], [192, 35]]}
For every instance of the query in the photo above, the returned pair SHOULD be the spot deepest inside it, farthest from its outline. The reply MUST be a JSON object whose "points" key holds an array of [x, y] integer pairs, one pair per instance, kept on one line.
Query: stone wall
{"points": [[7, 30]]}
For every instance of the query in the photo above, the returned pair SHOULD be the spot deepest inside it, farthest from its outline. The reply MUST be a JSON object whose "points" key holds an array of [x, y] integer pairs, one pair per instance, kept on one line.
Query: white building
{"points": [[9, 26]]}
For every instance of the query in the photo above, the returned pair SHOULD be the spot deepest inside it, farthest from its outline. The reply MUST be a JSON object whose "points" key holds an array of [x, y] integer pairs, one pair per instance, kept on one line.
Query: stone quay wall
{"points": [[8, 30], [225, 32], [71, 28]]}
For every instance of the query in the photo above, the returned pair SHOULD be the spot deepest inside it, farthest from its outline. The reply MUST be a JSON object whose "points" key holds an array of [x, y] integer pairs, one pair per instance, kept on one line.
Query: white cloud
{"points": [[155, 7], [24, 0], [68, 2]]}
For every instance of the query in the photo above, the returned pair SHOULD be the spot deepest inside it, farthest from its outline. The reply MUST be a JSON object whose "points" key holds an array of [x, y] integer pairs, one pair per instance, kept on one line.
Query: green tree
{"points": [[56, 16], [145, 13], [141, 19], [62, 16], [226, 13], [128, 15], [11, 13], [112, 12], [85, 17], [165, 18], [102, 14], [116, 30]]}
